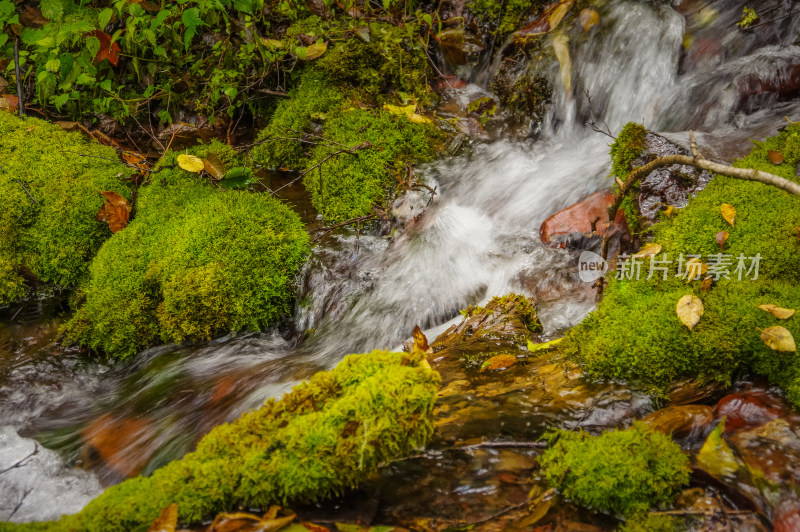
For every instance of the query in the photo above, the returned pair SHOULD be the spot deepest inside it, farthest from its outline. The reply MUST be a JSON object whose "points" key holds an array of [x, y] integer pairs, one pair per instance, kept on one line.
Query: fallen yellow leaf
{"points": [[190, 163], [559, 13], [694, 269], [588, 18], [778, 338], [167, 521], [778, 312], [650, 250], [561, 49], [728, 212], [689, 310]]}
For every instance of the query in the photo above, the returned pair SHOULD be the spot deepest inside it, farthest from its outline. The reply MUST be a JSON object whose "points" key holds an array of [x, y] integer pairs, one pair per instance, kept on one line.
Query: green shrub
{"points": [[635, 333], [194, 262], [318, 441], [50, 184], [621, 472]]}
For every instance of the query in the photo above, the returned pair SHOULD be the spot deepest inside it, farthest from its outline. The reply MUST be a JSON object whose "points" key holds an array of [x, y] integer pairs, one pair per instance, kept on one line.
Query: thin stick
{"points": [[20, 97]]}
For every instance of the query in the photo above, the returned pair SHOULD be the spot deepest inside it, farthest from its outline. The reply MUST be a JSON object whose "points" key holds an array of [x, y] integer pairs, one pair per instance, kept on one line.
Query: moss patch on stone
{"points": [[621, 472], [196, 261], [50, 184], [635, 333], [318, 441]]}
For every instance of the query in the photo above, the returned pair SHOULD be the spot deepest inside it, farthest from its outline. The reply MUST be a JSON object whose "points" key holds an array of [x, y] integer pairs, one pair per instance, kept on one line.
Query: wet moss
{"points": [[318, 441], [628, 146], [504, 16], [196, 261], [50, 184], [635, 333], [621, 472], [654, 523]]}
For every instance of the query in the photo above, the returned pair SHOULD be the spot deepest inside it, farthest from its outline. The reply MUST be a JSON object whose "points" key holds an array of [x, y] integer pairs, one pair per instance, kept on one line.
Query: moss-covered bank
{"points": [[50, 184], [323, 438], [197, 260], [635, 333]]}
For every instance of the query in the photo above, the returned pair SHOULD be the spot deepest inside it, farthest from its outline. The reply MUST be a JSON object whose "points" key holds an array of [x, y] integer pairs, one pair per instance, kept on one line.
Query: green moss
{"points": [[654, 523], [635, 333], [627, 147], [295, 118], [194, 262], [50, 184], [621, 472], [504, 16], [351, 184], [518, 305], [791, 149], [318, 441]]}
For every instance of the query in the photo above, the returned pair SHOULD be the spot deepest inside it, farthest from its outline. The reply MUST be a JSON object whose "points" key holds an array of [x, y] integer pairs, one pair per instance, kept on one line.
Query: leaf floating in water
{"points": [[689, 310], [190, 163], [722, 237], [499, 362], [650, 250], [775, 157], [115, 211], [728, 212], [778, 338], [778, 312], [588, 18], [167, 521]]}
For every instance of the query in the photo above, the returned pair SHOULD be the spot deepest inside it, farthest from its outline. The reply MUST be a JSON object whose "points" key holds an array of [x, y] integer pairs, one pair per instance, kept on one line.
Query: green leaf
{"points": [[61, 100], [104, 17], [92, 45], [53, 65], [52, 9], [85, 79], [67, 61], [238, 177], [243, 5], [3, 38], [230, 92]]}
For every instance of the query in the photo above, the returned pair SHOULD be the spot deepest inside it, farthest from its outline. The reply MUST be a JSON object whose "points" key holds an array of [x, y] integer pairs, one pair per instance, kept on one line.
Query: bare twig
{"points": [[20, 96], [19, 504], [24, 460], [697, 161], [268, 92], [359, 220], [20, 183]]}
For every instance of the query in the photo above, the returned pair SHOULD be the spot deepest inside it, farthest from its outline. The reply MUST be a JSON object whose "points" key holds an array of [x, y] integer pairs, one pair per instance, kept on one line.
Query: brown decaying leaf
{"points": [[214, 166], [728, 212], [775, 157], [588, 18], [242, 521], [8, 102], [722, 237], [694, 269], [314, 527], [420, 341], [650, 250], [778, 312], [115, 211], [689, 310], [167, 521], [778, 338], [499, 362], [107, 50], [705, 286]]}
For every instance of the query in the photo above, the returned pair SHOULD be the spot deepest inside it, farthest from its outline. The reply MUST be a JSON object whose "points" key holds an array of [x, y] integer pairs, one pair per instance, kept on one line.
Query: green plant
{"points": [[196, 261], [323, 438], [621, 472], [50, 183]]}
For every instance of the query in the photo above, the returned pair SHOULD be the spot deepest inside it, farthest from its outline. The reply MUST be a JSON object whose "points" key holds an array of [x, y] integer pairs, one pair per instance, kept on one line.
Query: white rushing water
{"points": [[478, 238]]}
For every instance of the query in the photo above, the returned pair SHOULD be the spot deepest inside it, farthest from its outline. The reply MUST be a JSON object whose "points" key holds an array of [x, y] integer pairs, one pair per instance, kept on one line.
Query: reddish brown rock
{"points": [[681, 421], [787, 516], [124, 445], [582, 220], [746, 410]]}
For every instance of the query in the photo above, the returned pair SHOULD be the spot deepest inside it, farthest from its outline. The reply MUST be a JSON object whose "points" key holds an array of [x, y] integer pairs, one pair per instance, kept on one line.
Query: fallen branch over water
{"points": [[697, 161]]}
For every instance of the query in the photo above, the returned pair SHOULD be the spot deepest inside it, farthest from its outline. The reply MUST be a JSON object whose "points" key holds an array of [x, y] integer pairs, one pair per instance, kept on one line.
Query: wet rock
{"points": [[586, 221], [124, 445], [668, 186], [690, 391], [688, 421], [772, 452], [787, 515], [746, 410], [459, 47]]}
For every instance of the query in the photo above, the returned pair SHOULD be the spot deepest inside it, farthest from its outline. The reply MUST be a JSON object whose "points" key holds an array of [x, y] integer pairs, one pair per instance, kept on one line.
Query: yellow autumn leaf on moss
{"points": [[190, 163], [728, 212], [778, 338], [410, 112], [689, 310], [650, 250], [778, 312]]}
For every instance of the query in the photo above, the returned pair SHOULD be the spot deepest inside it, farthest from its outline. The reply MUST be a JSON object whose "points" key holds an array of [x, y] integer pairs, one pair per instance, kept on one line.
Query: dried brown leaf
{"points": [[498, 362], [115, 211], [778, 312], [650, 250], [588, 18], [775, 157], [167, 521], [722, 237], [778, 338], [214, 166]]}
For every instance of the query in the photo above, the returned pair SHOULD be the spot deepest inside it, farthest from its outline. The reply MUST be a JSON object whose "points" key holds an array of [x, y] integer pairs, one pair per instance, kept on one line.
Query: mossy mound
{"points": [[621, 472], [635, 333], [196, 261], [323, 438], [654, 523], [50, 184]]}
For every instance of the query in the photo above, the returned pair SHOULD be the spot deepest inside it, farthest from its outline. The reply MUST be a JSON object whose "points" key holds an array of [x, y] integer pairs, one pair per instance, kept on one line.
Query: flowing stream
{"points": [[477, 238]]}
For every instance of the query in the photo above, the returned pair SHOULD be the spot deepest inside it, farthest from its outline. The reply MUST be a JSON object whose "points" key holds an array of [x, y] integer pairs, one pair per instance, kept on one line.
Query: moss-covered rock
{"points": [[50, 184], [635, 333], [621, 472], [323, 438], [196, 261]]}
